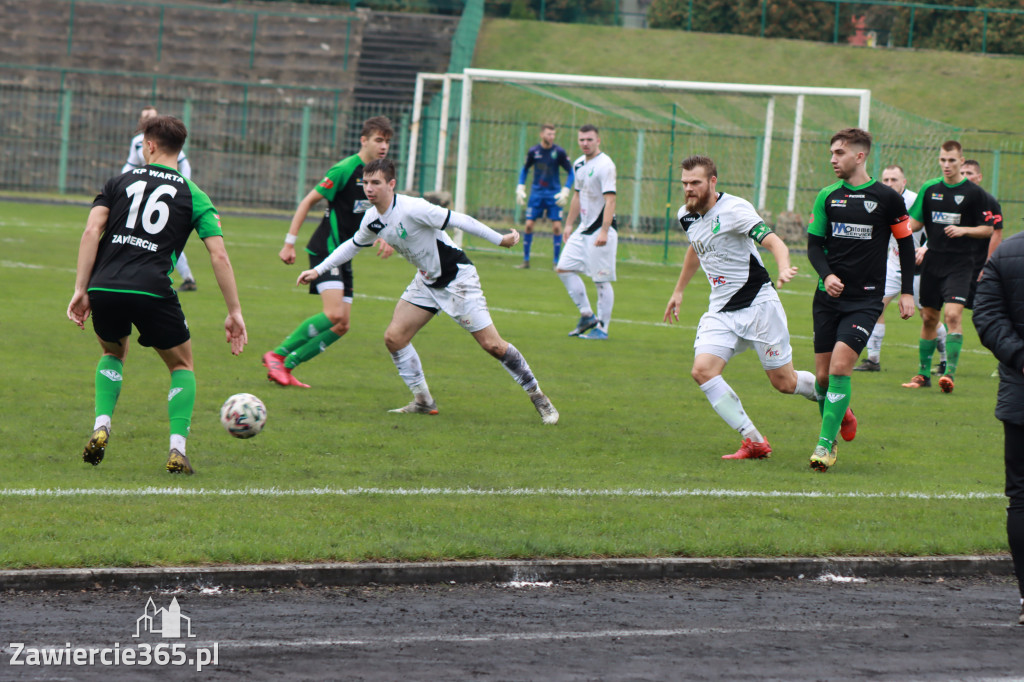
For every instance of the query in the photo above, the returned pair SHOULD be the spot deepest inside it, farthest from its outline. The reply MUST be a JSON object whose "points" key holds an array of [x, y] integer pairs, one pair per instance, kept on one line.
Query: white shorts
{"points": [[462, 300], [596, 262], [762, 326], [894, 285], [325, 286]]}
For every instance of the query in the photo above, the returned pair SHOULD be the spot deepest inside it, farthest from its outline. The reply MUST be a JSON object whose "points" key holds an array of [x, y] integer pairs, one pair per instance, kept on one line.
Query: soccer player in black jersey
{"points": [[342, 187], [951, 209], [847, 244], [136, 230]]}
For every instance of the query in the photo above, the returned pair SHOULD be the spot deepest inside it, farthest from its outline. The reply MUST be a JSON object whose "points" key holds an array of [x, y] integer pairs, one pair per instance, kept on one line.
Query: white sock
{"points": [[577, 292], [940, 342], [875, 342], [101, 421], [407, 360], [516, 365], [805, 385], [178, 443], [728, 406], [182, 266], [605, 303]]}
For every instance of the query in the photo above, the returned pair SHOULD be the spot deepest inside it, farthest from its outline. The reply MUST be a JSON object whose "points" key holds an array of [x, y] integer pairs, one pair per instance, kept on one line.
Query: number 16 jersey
{"points": [[153, 210]]}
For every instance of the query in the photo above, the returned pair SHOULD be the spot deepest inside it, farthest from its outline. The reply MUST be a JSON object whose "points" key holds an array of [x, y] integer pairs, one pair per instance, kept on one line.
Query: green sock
{"points": [[312, 348], [954, 343], [309, 329], [821, 397], [837, 400], [181, 400], [108, 384], [926, 349]]}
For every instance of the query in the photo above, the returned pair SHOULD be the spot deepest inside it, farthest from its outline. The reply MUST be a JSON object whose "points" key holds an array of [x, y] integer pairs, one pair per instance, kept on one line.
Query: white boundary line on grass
{"points": [[483, 492]]}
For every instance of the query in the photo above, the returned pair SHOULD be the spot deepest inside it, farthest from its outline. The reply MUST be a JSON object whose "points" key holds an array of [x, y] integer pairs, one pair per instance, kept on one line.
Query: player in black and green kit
{"points": [[342, 187], [952, 211], [847, 244], [136, 230]]}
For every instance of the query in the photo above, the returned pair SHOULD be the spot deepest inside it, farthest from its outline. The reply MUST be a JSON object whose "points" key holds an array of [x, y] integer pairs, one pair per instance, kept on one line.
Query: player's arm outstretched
{"points": [[79, 308], [690, 264], [469, 224], [780, 252], [234, 325]]}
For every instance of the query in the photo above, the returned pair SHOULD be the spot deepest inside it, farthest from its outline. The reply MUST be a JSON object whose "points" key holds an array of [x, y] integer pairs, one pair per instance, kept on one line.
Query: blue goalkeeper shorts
{"points": [[541, 201]]}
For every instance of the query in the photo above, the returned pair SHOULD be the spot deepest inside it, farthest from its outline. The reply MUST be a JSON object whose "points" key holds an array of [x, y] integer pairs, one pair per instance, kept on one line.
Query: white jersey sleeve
{"points": [[135, 159]]}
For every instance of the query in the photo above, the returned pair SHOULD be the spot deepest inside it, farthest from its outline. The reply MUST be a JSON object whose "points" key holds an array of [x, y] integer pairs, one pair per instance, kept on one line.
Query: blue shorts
{"points": [[540, 202]]}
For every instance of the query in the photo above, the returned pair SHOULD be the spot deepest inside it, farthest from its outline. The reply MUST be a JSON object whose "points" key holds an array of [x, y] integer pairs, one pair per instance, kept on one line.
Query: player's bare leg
{"points": [[405, 322]]}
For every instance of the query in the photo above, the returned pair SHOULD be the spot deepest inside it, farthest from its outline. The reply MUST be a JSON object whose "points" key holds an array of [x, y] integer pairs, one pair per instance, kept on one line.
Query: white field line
{"points": [[153, 491]]}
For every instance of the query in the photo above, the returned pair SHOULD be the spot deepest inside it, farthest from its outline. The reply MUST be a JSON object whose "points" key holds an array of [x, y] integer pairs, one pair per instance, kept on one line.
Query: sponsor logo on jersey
{"points": [[992, 217], [838, 203], [834, 397], [860, 329], [870, 206], [111, 374], [335, 272], [327, 183], [772, 352], [944, 218], [854, 196], [851, 231], [936, 196], [361, 206], [958, 198], [717, 280]]}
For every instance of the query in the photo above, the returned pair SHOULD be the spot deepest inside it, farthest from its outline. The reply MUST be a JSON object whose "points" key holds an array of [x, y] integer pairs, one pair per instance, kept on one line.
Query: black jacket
{"points": [[999, 319]]}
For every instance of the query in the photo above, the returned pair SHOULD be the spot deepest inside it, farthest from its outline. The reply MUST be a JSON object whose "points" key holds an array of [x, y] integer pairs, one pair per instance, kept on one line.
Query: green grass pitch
{"points": [[632, 469]]}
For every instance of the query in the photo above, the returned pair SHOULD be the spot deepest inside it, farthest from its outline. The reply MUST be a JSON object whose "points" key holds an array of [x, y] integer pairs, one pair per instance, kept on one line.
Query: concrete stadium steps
{"points": [[290, 46], [395, 47]]}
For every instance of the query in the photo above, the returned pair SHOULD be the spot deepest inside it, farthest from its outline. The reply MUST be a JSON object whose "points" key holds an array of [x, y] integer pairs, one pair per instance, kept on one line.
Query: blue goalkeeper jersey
{"points": [[545, 163]]}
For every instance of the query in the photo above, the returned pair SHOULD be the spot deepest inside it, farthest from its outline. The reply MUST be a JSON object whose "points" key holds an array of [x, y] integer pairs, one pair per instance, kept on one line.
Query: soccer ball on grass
{"points": [[243, 415]]}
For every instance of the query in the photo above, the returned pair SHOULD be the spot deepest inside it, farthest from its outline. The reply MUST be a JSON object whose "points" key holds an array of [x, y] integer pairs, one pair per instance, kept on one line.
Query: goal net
{"points": [[770, 143]]}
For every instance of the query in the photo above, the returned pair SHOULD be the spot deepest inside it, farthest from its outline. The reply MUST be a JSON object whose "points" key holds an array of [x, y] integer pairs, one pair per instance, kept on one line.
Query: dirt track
{"points": [[657, 630]]}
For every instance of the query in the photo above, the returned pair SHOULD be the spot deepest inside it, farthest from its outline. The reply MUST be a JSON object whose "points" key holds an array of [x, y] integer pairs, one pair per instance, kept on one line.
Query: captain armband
{"points": [[759, 232]]}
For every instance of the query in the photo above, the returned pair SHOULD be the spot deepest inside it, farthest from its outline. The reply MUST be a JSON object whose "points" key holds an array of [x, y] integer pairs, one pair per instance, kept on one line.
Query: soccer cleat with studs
{"points": [[596, 334], [188, 285], [940, 368], [848, 429], [97, 446], [918, 381], [946, 383], [177, 463], [868, 365], [586, 323], [822, 458], [416, 408], [547, 411], [751, 450]]}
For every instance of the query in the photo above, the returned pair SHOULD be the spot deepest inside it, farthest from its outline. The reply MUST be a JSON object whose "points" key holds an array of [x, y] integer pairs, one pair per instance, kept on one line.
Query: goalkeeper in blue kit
{"points": [[547, 194]]}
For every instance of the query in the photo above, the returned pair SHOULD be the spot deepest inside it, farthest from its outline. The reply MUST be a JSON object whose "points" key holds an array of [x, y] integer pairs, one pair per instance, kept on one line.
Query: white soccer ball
{"points": [[243, 415]]}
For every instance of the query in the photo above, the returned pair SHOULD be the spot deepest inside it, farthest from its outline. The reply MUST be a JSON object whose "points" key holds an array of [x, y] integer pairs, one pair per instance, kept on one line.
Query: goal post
{"points": [[471, 76]]}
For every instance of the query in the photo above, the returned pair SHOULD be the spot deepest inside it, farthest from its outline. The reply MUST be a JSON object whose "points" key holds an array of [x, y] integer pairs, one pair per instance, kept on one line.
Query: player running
{"points": [[547, 195], [342, 187], [138, 225], [446, 281], [847, 243], [744, 309]]}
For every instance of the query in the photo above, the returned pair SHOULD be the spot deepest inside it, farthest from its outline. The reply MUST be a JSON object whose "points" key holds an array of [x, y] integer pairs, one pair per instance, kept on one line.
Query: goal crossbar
{"points": [[492, 75]]}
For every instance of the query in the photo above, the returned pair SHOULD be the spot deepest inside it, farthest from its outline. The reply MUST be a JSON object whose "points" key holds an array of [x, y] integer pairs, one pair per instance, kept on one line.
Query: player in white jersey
{"points": [[744, 309], [446, 281], [592, 247], [135, 160], [894, 177]]}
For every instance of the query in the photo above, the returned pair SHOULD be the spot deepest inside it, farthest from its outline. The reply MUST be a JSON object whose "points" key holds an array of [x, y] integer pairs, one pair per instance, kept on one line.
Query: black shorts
{"points": [[841, 319], [341, 274], [945, 278], [160, 321]]}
